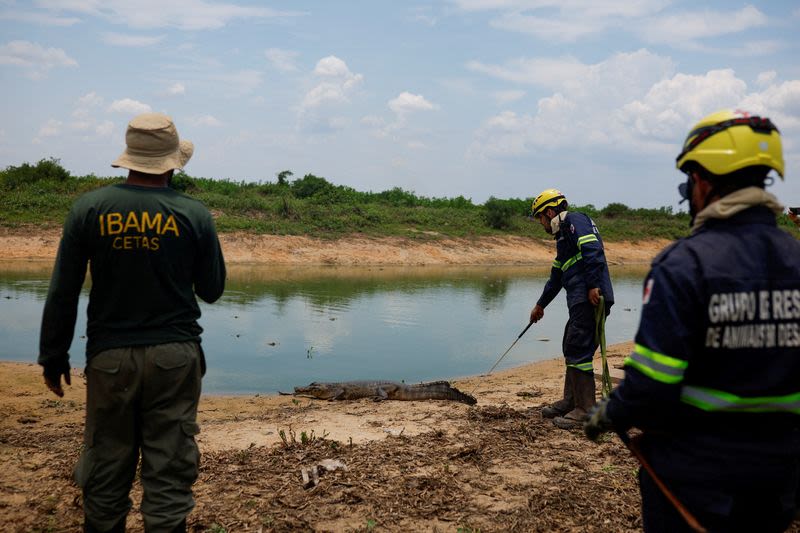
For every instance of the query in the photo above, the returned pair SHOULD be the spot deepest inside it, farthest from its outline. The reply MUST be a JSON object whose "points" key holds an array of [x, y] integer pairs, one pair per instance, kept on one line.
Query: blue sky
{"points": [[478, 98]]}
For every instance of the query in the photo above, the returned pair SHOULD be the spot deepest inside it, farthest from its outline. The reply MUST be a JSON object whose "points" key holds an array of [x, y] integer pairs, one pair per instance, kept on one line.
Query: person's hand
{"points": [[794, 218], [598, 421], [537, 313], [52, 377], [594, 296]]}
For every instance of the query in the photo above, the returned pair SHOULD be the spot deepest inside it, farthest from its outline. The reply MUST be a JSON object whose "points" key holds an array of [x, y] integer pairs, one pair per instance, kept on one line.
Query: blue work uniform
{"points": [[580, 265], [714, 377]]}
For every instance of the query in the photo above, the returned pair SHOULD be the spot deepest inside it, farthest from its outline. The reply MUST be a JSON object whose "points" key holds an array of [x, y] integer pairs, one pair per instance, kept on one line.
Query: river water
{"points": [[278, 327]]}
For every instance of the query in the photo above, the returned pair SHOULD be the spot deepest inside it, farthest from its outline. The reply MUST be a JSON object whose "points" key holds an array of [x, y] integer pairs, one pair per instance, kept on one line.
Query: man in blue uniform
{"points": [[714, 378], [580, 267]]}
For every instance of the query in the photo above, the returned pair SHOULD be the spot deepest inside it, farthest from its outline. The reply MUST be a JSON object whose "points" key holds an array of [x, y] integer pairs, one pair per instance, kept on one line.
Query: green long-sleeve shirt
{"points": [[150, 250]]}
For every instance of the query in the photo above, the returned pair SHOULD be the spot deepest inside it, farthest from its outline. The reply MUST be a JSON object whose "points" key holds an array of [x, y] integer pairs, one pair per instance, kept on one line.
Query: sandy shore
{"points": [[433, 466], [456, 466], [35, 244]]}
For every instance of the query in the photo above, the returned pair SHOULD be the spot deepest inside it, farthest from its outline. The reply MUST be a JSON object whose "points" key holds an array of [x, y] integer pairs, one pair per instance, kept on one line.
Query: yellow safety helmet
{"points": [[727, 141], [547, 198]]}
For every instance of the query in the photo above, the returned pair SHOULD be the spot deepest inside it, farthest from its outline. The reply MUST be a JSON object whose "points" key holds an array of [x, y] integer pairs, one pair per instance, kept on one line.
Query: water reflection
{"points": [[277, 327]]}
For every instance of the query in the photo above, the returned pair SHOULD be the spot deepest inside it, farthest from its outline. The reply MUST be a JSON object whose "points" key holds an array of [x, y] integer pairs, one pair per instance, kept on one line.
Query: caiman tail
{"points": [[439, 390]]}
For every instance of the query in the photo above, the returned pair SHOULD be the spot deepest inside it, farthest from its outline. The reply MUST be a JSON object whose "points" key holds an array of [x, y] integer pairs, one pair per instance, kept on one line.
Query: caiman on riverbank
{"points": [[385, 390]]}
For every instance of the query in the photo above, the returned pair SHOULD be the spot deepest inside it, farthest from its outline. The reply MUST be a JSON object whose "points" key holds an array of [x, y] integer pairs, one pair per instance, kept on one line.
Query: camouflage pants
{"points": [[141, 399]]}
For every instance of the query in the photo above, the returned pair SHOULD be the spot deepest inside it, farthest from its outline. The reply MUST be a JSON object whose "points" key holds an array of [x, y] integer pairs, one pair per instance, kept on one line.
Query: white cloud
{"points": [[176, 89], [104, 129], [43, 19], [572, 20], [84, 113], [780, 102], [506, 97], [180, 14], [752, 48], [80, 125], [324, 92], [407, 102], [546, 28], [338, 82], [402, 105], [332, 67], [547, 72], [205, 120], [133, 41], [766, 78], [90, 100], [605, 109], [283, 60], [563, 21], [591, 8], [34, 58], [686, 29], [672, 105], [85, 104], [372, 121], [629, 102], [51, 128], [128, 106], [621, 75]]}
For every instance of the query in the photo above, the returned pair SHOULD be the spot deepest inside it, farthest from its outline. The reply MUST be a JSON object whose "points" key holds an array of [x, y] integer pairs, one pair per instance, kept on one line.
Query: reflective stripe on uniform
{"points": [[717, 400], [586, 238], [656, 365], [571, 261], [585, 367], [557, 264]]}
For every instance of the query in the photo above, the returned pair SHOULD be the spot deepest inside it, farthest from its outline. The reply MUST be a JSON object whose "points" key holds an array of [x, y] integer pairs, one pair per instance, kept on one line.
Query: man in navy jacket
{"points": [[714, 378], [580, 268]]}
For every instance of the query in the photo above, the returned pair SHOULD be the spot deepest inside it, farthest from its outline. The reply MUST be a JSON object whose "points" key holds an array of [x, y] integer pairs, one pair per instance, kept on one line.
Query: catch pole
{"points": [[504, 353]]}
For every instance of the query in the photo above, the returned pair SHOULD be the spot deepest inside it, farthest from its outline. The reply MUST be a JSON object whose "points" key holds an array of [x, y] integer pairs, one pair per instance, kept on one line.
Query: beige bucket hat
{"points": [[153, 145]]}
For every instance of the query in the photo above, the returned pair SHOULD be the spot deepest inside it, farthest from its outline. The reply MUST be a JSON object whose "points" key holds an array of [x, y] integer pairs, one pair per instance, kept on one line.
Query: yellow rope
{"points": [[600, 338]]}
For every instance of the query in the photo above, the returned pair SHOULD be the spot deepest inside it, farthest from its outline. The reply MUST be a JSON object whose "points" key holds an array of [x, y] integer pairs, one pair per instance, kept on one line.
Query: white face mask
{"points": [[555, 222]]}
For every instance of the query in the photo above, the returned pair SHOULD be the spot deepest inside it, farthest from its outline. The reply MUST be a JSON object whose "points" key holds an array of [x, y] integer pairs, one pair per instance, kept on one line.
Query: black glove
{"points": [[52, 376], [598, 421]]}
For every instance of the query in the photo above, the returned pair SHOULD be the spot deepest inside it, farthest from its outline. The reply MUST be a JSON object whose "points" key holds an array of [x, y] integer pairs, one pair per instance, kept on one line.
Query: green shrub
{"points": [[45, 170], [183, 182], [615, 209], [499, 213], [309, 185], [42, 194]]}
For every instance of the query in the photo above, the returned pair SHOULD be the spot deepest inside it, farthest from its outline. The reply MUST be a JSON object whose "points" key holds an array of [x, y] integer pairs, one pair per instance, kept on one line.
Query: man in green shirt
{"points": [[150, 250]]}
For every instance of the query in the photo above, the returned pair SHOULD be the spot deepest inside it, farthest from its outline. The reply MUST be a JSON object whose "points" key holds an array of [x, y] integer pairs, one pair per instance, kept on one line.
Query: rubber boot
{"points": [[584, 400], [567, 403]]}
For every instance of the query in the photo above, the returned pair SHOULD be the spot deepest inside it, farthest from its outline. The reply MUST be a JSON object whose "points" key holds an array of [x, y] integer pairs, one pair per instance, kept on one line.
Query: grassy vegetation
{"points": [[42, 193]]}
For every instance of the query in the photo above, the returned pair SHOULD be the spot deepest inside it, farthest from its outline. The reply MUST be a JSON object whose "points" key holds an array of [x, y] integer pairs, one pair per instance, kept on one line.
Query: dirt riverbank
{"points": [[403, 466], [31, 243], [408, 466]]}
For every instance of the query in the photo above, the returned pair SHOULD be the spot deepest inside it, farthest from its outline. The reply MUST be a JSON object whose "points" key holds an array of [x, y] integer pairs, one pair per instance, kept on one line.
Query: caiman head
{"points": [[317, 390]]}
